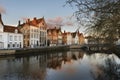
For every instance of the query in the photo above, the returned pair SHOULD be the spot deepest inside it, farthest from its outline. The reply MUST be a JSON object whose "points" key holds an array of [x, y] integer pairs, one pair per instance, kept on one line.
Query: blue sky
{"points": [[18, 9]]}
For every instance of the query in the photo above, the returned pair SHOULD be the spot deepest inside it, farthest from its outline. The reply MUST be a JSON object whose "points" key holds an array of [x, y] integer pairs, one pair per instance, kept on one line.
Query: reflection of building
{"points": [[54, 36], [55, 60], [35, 32], [10, 36], [34, 67]]}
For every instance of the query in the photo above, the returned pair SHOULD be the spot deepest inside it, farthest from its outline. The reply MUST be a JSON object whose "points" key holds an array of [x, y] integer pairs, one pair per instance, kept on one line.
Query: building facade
{"points": [[81, 39], [10, 36], [70, 38], [35, 32], [54, 36], [75, 38], [67, 38]]}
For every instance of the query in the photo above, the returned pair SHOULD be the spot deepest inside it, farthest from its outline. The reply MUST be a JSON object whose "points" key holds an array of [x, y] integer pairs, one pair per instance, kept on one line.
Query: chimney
{"points": [[35, 18], [19, 22], [64, 31], [0, 17], [28, 20]]}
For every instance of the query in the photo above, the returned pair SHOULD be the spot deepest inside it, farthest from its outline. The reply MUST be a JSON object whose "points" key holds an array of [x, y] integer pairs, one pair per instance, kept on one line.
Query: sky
{"points": [[51, 10]]}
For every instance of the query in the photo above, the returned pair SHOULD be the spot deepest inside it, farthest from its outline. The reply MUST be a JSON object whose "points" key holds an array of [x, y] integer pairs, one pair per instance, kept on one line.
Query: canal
{"points": [[67, 65]]}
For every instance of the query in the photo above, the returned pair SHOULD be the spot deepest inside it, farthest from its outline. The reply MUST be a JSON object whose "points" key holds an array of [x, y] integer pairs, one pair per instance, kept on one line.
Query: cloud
{"points": [[2, 10], [59, 22], [69, 23], [49, 25]]}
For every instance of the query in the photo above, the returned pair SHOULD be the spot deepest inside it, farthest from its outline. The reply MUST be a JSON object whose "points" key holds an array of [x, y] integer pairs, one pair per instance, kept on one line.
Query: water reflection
{"points": [[70, 65]]}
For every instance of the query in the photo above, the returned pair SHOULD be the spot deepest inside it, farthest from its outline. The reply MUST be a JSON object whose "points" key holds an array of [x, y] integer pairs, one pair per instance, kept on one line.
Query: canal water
{"points": [[67, 65]]}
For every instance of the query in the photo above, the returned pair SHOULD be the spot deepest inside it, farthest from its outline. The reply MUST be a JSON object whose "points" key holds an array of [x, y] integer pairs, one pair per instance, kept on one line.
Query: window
{"points": [[28, 36], [37, 35], [8, 45], [0, 37], [19, 38], [31, 35], [34, 30], [20, 44], [11, 38], [13, 45], [31, 30], [31, 42], [34, 35], [17, 45], [15, 38]]}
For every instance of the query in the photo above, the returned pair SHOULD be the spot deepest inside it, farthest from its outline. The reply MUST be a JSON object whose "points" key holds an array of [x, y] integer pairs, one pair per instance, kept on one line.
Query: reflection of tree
{"points": [[110, 71]]}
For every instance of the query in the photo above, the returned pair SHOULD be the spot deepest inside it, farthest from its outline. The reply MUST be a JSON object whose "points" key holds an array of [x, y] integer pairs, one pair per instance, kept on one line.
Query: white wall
{"points": [[69, 39], [76, 39], [6, 40], [34, 36]]}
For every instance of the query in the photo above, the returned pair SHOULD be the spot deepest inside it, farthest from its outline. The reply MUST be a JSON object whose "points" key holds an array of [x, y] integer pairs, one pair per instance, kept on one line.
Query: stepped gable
{"points": [[35, 22]]}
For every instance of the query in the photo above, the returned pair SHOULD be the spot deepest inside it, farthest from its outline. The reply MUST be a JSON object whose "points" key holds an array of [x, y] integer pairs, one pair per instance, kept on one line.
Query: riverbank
{"points": [[33, 50]]}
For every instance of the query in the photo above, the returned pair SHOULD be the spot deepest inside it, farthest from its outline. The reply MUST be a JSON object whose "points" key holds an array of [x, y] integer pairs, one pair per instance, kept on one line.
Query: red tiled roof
{"points": [[8, 28], [11, 29], [35, 22]]}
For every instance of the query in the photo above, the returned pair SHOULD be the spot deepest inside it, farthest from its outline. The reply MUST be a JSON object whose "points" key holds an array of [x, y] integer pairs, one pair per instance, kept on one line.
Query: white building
{"points": [[75, 38], [35, 32], [69, 38], [10, 37]]}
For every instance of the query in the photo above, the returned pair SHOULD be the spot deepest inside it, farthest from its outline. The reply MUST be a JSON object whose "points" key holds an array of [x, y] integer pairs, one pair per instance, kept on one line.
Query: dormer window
{"points": [[16, 31]]}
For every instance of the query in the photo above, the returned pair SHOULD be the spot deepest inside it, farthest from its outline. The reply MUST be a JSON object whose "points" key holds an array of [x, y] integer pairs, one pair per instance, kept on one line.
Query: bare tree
{"points": [[101, 17]]}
